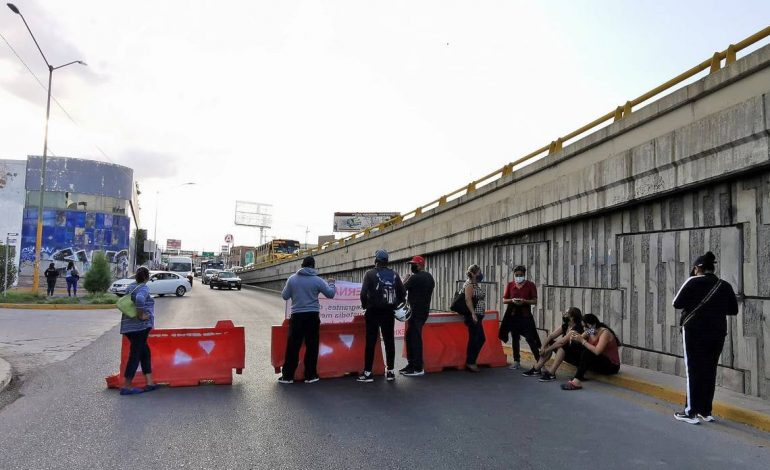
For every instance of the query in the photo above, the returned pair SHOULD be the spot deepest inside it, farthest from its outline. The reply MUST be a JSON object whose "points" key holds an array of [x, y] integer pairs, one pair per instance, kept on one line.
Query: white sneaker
{"points": [[706, 419], [515, 366], [681, 416]]}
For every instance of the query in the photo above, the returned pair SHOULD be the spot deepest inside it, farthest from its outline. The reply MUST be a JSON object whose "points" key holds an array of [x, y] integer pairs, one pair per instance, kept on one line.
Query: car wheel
{"points": [[211, 286], [229, 288], [161, 295], [180, 291], [239, 287]]}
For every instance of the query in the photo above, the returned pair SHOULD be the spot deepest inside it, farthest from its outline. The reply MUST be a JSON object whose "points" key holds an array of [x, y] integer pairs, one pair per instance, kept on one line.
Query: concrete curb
{"points": [[59, 306], [723, 410], [6, 374], [262, 289]]}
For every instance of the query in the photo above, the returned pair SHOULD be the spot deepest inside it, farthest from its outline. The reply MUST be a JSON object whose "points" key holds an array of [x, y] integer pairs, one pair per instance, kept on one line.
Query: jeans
{"points": [[413, 339], [139, 353], [51, 285], [379, 321], [72, 286], [524, 326], [305, 326], [476, 338]]}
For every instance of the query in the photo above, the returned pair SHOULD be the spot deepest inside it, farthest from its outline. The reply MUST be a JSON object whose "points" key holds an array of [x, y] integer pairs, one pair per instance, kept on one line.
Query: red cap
{"points": [[418, 260]]}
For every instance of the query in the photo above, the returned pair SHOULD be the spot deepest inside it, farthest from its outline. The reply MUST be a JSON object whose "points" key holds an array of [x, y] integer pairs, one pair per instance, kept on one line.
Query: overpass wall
{"points": [[612, 223]]}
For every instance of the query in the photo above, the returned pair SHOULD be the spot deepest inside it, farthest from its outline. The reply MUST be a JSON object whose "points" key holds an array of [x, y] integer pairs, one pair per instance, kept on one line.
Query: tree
{"points": [[98, 278], [11, 266], [140, 235]]}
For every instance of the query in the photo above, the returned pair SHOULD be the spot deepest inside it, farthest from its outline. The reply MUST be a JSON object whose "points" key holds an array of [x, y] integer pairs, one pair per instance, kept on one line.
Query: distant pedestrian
{"points": [[303, 288], [50, 277], [598, 352], [381, 291], [475, 301], [72, 276], [419, 288], [560, 343], [520, 295], [705, 301], [137, 330]]}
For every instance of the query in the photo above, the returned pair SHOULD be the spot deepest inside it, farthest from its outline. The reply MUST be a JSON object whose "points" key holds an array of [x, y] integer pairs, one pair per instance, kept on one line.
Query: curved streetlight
{"points": [[39, 235], [157, 203]]}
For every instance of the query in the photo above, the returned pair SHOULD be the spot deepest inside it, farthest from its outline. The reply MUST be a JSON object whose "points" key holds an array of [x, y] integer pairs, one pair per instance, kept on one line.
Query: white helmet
{"points": [[402, 312]]}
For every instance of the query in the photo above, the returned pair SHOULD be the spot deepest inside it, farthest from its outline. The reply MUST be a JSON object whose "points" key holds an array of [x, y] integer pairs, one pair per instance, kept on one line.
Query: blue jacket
{"points": [[303, 288]]}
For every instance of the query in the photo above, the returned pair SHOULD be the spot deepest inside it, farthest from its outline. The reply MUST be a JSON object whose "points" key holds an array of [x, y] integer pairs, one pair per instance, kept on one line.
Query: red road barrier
{"points": [[183, 357], [340, 350], [445, 340]]}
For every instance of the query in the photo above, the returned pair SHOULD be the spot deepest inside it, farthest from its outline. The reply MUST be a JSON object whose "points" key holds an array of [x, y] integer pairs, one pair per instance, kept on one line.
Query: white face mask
{"points": [[519, 279]]}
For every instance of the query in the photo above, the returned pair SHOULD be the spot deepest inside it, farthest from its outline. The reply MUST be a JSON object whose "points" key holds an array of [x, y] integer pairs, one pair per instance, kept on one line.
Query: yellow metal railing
{"points": [[713, 64]]}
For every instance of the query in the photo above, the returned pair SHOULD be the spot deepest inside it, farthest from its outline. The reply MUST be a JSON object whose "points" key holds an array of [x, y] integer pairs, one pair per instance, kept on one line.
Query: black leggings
{"points": [[139, 353], [599, 364]]}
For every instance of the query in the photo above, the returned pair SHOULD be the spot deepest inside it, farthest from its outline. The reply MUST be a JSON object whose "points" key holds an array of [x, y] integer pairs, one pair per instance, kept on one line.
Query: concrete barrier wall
{"points": [[612, 223]]}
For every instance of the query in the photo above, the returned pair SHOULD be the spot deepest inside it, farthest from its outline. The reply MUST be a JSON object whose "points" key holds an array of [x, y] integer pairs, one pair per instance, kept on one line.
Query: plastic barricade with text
{"points": [[340, 349], [445, 342], [183, 357]]}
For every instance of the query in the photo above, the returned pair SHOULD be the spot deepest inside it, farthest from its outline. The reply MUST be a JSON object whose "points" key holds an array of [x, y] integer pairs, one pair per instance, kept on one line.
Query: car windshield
{"points": [[226, 274], [182, 267]]}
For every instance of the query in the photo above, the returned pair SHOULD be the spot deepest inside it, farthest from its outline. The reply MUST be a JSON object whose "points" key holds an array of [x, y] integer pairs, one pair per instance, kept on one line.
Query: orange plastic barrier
{"points": [[340, 350], [183, 357], [445, 341]]}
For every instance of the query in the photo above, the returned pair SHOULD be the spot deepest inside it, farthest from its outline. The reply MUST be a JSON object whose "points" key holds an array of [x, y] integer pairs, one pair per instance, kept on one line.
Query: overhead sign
{"points": [[208, 254], [357, 221], [173, 244], [253, 214]]}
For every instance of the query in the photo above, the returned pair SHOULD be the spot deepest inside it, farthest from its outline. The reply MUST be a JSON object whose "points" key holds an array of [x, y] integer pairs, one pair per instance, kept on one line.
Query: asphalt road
{"points": [[66, 418]]}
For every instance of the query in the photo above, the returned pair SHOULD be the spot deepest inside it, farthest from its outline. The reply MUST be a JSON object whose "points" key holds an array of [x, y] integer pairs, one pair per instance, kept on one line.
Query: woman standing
{"points": [[705, 301], [474, 300], [50, 276], [136, 330], [599, 351], [72, 276]]}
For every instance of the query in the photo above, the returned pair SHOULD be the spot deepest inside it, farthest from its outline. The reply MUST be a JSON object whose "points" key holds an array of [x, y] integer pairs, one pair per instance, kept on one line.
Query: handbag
{"points": [[458, 303], [708, 296], [127, 306]]}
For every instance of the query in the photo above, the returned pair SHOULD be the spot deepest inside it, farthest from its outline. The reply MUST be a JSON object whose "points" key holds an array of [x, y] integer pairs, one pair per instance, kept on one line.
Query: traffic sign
{"points": [[228, 238], [208, 254]]}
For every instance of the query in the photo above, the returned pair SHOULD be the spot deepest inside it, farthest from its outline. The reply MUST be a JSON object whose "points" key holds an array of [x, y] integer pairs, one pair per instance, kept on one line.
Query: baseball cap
{"points": [[417, 260], [381, 255]]}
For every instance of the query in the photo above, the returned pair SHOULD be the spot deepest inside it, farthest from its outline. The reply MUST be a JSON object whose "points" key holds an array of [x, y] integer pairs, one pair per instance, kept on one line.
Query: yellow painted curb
{"points": [[723, 410], [59, 306]]}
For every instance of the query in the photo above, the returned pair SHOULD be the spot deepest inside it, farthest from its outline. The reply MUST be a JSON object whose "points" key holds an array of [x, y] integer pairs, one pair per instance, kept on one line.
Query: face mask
{"points": [[519, 279], [480, 277], [591, 331], [414, 269]]}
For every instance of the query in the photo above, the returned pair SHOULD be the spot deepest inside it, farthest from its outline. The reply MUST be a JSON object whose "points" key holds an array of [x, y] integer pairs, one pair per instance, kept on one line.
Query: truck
{"points": [[182, 265]]}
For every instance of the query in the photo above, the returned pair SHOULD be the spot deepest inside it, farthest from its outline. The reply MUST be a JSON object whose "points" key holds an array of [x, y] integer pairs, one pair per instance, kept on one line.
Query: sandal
{"points": [[131, 391], [151, 388], [570, 386]]}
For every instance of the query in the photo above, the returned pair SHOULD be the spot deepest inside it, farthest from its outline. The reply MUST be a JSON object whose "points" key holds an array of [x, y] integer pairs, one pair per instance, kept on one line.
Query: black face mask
{"points": [[414, 269]]}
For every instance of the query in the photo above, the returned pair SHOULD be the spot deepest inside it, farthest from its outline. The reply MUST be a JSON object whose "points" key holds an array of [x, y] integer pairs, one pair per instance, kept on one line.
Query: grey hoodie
{"points": [[303, 288]]}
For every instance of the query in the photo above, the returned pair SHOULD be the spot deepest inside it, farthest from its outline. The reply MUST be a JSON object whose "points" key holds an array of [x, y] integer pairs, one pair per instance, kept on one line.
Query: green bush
{"points": [[98, 278], [11, 266]]}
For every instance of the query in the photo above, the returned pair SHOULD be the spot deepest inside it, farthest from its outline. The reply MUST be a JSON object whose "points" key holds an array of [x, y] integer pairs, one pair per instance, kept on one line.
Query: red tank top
{"points": [[610, 351]]}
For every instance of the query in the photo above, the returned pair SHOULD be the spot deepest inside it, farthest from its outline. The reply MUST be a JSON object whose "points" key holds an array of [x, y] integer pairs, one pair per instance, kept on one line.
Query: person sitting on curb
{"points": [[559, 342], [599, 351]]}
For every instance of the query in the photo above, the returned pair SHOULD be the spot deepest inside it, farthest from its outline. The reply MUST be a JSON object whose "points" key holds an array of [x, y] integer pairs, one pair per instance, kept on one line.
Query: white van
{"points": [[182, 265]]}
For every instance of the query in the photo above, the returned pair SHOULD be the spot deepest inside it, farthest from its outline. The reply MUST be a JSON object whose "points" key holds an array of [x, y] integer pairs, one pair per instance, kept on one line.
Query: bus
{"points": [[211, 264], [275, 250]]}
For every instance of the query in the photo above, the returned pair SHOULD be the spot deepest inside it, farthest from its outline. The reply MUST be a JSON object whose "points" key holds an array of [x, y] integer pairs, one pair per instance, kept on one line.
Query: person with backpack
{"points": [[705, 301], [72, 276], [419, 287], [381, 291]]}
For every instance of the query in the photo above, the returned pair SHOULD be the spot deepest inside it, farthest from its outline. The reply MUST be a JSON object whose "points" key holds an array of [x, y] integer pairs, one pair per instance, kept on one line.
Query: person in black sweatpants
{"points": [[419, 287], [302, 327], [705, 301]]}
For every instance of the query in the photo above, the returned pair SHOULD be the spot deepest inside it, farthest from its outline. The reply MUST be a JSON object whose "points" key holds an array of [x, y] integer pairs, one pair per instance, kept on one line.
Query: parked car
{"points": [[160, 283], [225, 279], [207, 275]]}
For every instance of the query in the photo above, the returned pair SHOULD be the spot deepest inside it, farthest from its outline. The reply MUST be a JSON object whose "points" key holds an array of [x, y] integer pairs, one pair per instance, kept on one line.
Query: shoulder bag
{"points": [[708, 296], [458, 303], [127, 306]]}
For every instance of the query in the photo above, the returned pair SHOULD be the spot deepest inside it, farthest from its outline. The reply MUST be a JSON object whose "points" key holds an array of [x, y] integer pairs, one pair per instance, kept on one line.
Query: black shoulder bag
{"points": [[708, 296], [458, 303]]}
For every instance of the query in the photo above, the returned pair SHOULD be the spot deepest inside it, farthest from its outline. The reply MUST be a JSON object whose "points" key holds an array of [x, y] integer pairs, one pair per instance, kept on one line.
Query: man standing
{"points": [[381, 291], [303, 288], [522, 295], [419, 287]]}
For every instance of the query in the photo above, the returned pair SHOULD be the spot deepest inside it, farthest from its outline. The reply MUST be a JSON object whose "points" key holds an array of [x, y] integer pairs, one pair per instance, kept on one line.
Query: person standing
{"points": [[137, 330], [72, 276], [419, 288], [50, 277], [475, 301], [381, 291], [521, 294], [303, 288], [705, 301]]}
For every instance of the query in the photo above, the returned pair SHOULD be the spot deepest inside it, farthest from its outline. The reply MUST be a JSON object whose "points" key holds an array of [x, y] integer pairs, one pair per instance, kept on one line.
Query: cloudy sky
{"points": [[316, 107]]}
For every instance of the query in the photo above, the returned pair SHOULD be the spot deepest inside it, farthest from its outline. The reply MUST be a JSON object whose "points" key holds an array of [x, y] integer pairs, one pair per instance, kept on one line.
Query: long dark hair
{"points": [[591, 319], [574, 314]]}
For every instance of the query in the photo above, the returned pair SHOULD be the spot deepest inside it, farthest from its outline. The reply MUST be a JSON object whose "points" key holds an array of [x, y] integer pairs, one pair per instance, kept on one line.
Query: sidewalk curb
{"points": [[6, 374], [723, 410], [59, 306]]}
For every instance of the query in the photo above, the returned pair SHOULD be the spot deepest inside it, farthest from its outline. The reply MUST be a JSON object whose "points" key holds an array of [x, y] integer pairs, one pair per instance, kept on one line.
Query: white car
{"points": [[160, 283]]}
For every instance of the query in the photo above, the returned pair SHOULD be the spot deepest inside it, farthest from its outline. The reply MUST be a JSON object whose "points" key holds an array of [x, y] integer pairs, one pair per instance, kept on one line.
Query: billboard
{"points": [[253, 214], [173, 244], [357, 221]]}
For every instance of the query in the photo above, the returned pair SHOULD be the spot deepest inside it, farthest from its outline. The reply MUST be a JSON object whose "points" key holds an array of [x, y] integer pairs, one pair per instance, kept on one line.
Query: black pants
{"points": [[379, 321], [51, 285], [305, 327], [413, 339], [524, 326], [476, 338], [701, 356], [139, 353], [599, 364]]}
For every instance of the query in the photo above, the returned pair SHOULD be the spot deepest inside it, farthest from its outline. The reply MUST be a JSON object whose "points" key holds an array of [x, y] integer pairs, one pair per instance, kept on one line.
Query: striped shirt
{"points": [[140, 294]]}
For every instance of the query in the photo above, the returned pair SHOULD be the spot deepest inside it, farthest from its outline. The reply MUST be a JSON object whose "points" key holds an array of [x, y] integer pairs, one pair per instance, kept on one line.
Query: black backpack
{"points": [[385, 290]]}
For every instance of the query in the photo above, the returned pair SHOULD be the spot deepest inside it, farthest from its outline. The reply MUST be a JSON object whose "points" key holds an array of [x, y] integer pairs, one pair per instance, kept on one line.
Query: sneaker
{"points": [[515, 366], [365, 377], [682, 416], [282, 380], [406, 370], [546, 376], [415, 373], [706, 419], [531, 372], [313, 380], [390, 376]]}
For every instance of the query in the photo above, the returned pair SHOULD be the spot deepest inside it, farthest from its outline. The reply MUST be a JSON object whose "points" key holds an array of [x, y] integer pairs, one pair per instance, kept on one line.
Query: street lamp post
{"points": [[155, 234], [39, 234]]}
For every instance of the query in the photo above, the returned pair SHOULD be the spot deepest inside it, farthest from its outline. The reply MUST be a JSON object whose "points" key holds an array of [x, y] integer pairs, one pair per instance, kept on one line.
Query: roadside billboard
{"points": [[173, 244], [357, 221]]}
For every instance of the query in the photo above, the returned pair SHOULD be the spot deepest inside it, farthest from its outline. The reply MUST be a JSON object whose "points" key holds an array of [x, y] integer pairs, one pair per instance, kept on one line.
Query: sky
{"points": [[318, 107]]}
